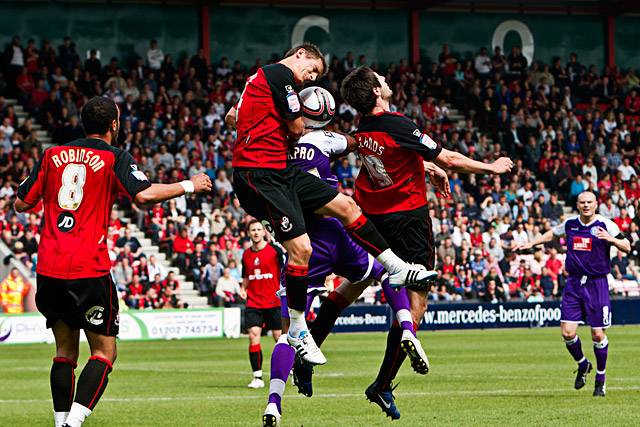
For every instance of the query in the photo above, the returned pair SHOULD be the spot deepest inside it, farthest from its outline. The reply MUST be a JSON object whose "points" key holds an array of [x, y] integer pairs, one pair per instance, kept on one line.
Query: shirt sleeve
{"points": [[334, 143], [560, 229], [612, 228], [30, 190], [406, 134], [132, 179], [283, 91]]}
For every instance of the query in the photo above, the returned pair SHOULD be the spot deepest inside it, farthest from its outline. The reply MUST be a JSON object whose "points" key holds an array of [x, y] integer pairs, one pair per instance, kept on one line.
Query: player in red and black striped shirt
{"points": [[78, 183], [391, 189], [268, 118]]}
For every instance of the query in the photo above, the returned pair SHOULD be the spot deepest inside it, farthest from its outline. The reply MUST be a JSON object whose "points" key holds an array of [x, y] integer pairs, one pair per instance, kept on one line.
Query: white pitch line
{"points": [[500, 392]]}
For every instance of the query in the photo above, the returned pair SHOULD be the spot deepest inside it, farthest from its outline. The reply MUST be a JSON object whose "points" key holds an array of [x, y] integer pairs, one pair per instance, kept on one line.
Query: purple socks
{"points": [[601, 350], [282, 360]]}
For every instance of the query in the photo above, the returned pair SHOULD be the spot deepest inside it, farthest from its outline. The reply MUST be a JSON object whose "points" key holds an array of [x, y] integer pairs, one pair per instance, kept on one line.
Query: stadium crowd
{"points": [[568, 126]]}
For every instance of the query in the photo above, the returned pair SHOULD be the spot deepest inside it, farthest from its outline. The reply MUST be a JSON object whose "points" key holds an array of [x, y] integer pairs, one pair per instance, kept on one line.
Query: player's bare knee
{"points": [[300, 252], [71, 354], [597, 335], [568, 334]]}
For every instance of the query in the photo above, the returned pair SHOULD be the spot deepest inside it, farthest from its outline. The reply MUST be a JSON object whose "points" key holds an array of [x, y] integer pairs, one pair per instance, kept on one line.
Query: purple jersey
{"points": [[586, 254], [313, 154]]}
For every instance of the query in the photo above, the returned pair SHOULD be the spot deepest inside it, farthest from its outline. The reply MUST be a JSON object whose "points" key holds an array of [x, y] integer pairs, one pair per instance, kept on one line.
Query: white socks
{"points": [[276, 385], [391, 262], [59, 418], [77, 415], [257, 374], [404, 315], [297, 322]]}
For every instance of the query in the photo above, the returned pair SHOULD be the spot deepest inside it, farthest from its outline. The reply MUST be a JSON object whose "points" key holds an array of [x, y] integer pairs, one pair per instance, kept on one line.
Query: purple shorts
{"points": [[587, 299], [333, 252]]}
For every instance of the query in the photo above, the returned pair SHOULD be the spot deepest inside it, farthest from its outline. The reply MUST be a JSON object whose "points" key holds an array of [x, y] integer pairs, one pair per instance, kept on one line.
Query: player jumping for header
{"points": [[268, 119], [586, 294], [391, 190], [333, 251]]}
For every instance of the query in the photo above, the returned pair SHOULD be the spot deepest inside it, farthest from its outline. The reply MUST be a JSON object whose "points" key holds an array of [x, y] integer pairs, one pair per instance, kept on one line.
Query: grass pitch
{"points": [[490, 377]]}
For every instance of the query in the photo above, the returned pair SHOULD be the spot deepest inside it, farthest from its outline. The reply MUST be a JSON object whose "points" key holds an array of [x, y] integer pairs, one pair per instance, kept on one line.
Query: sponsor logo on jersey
{"points": [[258, 275], [428, 142], [95, 315], [66, 222], [285, 224], [582, 244], [139, 175], [293, 102]]}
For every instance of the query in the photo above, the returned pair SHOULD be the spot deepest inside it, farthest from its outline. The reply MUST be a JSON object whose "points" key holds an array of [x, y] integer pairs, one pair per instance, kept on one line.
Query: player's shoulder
{"points": [[277, 71], [611, 226], [571, 219], [327, 142]]}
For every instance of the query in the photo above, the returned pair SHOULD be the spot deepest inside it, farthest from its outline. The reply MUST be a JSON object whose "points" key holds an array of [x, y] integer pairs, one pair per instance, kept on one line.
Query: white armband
{"points": [[188, 186]]}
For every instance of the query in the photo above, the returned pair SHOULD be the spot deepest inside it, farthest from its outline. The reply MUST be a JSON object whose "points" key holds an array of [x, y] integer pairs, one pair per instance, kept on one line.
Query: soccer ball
{"points": [[318, 107]]}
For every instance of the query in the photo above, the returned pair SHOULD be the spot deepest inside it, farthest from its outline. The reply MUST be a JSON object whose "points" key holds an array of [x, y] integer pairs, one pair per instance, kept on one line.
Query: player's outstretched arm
{"points": [[457, 162], [544, 238], [158, 193]]}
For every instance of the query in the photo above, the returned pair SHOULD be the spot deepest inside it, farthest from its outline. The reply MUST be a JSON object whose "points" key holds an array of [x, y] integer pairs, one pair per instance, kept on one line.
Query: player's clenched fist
{"points": [[201, 183], [502, 165]]}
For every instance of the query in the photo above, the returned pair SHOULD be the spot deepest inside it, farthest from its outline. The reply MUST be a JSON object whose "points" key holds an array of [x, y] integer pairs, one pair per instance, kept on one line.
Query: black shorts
{"points": [[409, 235], [269, 318], [90, 304], [281, 197]]}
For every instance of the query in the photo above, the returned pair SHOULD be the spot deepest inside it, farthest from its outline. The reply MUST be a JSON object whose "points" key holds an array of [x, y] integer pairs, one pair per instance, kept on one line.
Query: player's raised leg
{"points": [[94, 377], [63, 378], [365, 234], [299, 251]]}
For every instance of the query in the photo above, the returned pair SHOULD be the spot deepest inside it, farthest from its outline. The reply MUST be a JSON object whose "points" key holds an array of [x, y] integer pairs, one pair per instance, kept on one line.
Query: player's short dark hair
{"points": [[357, 89], [98, 114], [312, 51]]}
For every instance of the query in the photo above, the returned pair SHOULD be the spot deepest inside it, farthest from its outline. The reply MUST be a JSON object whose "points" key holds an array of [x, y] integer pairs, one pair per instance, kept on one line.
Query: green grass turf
{"points": [[490, 377]]}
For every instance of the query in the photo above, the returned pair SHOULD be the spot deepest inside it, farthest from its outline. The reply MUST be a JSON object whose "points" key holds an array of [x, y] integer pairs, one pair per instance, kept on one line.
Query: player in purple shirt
{"points": [[333, 252], [586, 294]]}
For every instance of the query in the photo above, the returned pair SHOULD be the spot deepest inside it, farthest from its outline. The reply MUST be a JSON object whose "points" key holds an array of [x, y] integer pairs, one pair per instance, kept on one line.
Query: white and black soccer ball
{"points": [[318, 107]]}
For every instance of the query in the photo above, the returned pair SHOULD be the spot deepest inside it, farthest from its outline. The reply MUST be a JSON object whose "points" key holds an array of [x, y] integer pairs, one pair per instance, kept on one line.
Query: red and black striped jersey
{"points": [[78, 183], [392, 150], [269, 100]]}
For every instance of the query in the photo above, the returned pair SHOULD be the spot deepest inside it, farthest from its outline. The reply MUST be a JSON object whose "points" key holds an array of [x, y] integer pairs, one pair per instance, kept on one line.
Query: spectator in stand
{"points": [[155, 56], [492, 294], [183, 248], [620, 267], [482, 64], [212, 272], [13, 290], [228, 291]]}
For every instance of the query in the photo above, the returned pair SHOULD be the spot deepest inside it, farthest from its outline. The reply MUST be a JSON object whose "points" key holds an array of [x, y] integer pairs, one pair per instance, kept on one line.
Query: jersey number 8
{"points": [[73, 179]]}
